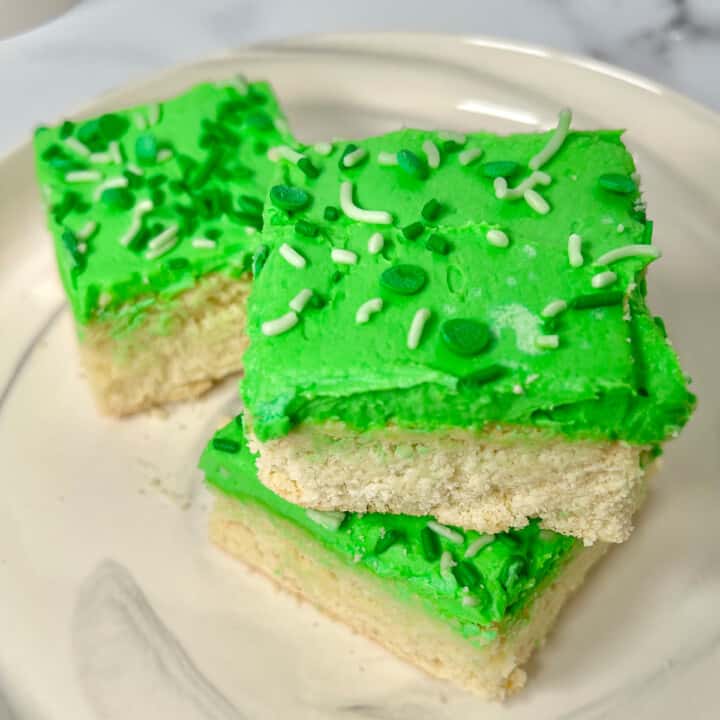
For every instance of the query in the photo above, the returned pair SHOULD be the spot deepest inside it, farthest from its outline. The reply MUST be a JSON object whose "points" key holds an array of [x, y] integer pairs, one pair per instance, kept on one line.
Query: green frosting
{"points": [[500, 579], [200, 159], [613, 374]]}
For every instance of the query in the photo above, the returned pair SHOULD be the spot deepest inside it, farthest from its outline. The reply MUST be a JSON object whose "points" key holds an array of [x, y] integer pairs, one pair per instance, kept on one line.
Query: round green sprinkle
{"points": [[431, 210], [89, 134], [404, 279], [465, 337], [119, 198], [331, 213], [466, 575], [387, 541], [430, 543], [617, 183], [287, 197], [414, 230], [500, 168], [412, 164], [113, 127], [598, 299], [250, 204], [146, 149], [438, 244], [483, 376], [307, 168], [227, 445], [303, 227]]}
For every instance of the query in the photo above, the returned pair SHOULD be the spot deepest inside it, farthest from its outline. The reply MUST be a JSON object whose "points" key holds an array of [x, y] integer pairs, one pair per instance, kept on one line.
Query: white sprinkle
{"points": [[575, 256], [367, 309], [100, 158], [536, 201], [554, 308], [541, 178], [159, 250], [469, 601], [497, 238], [376, 243], [144, 206], [628, 251], [323, 148], [86, 230], [469, 156], [163, 155], [354, 157], [416, 327], [204, 243], [620, 228], [518, 389], [501, 188], [431, 153], [279, 325], [299, 302], [285, 153], [153, 114], [446, 532], [453, 136], [250, 230], [292, 256], [330, 520], [134, 169], [115, 152], [104, 299], [162, 238], [603, 279], [503, 192], [547, 342], [83, 176], [76, 146], [530, 379], [555, 142], [376, 217], [387, 158], [81, 248], [477, 545], [241, 83], [446, 562], [116, 182], [139, 121], [343, 257]]}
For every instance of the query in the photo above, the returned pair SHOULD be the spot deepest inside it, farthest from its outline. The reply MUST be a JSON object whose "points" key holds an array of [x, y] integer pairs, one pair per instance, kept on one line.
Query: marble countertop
{"points": [[101, 44]]}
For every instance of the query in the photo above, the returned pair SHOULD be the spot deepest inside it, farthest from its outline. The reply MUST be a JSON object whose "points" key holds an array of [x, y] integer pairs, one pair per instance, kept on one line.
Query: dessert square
{"points": [[455, 325], [465, 607], [154, 212]]}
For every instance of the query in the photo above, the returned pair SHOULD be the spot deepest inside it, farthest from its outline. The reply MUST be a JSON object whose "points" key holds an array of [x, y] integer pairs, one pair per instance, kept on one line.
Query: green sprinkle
{"points": [[119, 198], [617, 183], [259, 120], [213, 234], [331, 213], [158, 197], [513, 574], [69, 241], [178, 263], [660, 323], [89, 134], [483, 376], [387, 541], [404, 279], [202, 173], [431, 210], [250, 204], [287, 197], [155, 180], [66, 129], [438, 244], [317, 301], [414, 230], [259, 259], [113, 127], [303, 227], [596, 300], [410, 163], [306, 167], [227, 445], [146, 149], [465, 337], [451, 146], [466, 575], [430, 543], [500, 168], [260, 147]]}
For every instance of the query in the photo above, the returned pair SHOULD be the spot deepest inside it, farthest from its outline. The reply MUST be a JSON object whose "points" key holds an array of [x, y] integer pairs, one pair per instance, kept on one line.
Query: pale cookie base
{"points": [[294, 561], [489, 481], [182, 347]]}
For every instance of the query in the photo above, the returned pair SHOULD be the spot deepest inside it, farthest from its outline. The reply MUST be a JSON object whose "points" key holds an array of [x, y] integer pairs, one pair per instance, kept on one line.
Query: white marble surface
{"points": [[101, 44]]}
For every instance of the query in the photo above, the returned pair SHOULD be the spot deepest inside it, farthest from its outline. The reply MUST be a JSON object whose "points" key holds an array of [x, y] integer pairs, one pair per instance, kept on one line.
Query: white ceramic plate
{"points": [[641, 640]]}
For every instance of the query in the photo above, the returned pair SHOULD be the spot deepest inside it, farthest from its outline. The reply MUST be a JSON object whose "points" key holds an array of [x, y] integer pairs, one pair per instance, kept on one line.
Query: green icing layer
{"points": [[200, 159], [613, 374], [501, 578]]}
